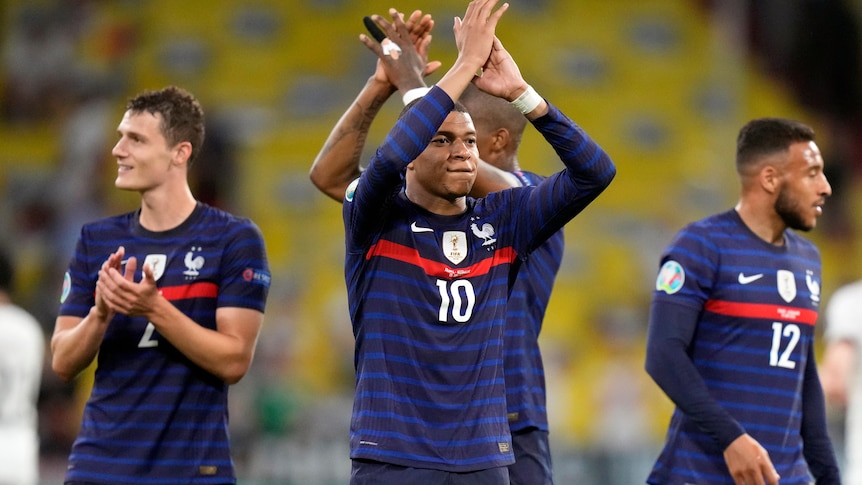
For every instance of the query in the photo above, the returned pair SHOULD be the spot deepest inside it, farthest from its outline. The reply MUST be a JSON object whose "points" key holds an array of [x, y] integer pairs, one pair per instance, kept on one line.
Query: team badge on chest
{"points": [[157, 263], [455, 246], [786, 285]]}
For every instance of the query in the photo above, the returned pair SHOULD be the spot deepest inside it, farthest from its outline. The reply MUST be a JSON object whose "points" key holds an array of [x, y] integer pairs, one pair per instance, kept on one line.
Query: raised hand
{"points": [[474, 34], [501, 76], [405, 68], [115, 261]]}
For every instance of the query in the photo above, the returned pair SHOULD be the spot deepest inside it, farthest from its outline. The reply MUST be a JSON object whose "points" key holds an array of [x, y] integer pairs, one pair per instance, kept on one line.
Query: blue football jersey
{"points": [[153, 416], [752, 343], [524, 370], [428, 296]]}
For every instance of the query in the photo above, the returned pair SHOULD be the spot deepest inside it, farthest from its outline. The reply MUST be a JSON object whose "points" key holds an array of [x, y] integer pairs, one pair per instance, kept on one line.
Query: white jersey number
{"points": [[780, 334], [457, 298], [147, 340]]}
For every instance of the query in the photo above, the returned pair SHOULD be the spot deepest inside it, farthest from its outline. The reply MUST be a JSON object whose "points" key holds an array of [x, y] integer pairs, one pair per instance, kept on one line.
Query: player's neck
{"points": [[437, 205], [163, 210], [762, 223]]}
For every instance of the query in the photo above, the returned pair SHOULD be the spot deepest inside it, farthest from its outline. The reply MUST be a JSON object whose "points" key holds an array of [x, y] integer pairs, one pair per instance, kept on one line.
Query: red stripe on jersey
{"points": [[760, 310], [399, 252], [194, 290]]}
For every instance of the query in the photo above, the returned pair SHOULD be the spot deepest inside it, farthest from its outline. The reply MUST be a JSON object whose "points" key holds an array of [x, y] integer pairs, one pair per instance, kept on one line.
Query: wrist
{"points": [[380, 85], [528, 101], [412, 94], [99, 314]]}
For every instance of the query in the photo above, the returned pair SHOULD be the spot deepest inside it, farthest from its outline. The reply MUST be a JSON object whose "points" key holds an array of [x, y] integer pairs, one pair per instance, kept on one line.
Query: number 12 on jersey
{"points": [[784, 340]]}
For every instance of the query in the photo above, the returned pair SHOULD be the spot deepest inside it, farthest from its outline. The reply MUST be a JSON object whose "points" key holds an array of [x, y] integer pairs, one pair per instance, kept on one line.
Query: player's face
{"points": [[447, 167], [142, 152], [804, 189]]}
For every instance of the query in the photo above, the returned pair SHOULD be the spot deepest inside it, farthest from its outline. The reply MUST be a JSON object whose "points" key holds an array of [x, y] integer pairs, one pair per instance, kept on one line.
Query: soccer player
{"points": [[22, 350], [499, 129], [429, 270], [731, 327], [170, 298], [841, 371]]}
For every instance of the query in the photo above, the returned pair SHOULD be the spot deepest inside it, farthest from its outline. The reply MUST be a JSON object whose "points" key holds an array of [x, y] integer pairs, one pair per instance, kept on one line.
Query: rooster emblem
{"points": [[193, 264], [486, 233]]}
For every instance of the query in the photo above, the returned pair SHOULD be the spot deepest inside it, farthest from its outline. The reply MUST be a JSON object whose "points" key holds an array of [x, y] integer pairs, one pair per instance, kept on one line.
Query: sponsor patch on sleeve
{"points": [[257, 276], [671, 277]]}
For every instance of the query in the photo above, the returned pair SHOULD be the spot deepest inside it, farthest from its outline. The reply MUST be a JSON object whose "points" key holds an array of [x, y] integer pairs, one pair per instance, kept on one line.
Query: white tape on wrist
{"points": [[527, 101], [414, 93]]}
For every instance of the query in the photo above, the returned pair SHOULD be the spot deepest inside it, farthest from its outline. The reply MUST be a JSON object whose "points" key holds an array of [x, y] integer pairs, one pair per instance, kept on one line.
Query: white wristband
{"points": [[527, 101], [414, 93]]}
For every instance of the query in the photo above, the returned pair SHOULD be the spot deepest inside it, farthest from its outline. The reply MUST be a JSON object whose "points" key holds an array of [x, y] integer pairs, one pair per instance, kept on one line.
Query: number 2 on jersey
{"points": [[147, 341]]}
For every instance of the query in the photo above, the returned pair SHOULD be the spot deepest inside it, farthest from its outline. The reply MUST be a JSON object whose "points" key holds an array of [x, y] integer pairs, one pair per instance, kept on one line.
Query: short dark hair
{"points": [[182, 115], [492, 112], [7, 272], [766, 136], [459, 108]]}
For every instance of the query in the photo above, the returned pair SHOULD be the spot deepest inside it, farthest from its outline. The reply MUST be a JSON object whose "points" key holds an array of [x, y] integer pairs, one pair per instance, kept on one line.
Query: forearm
{"points": [[586, 162], [338, 162], [670, 331], [225, 355], [75, 343]]}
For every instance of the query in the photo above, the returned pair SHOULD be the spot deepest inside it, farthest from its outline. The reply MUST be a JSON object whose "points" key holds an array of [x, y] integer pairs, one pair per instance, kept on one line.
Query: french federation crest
{"points": [[486, 232], [455, 246], [813, 286], [786, 285], [157, 263]]}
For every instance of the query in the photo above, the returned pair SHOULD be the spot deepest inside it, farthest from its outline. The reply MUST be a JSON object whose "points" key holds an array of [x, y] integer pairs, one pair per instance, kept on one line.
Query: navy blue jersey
{"points": [[525, 374], [758, 305], [427, 296], [153, 416]]}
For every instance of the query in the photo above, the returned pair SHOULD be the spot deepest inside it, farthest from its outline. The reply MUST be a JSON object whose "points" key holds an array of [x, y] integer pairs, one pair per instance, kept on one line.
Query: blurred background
{"points": [[662, 85]]}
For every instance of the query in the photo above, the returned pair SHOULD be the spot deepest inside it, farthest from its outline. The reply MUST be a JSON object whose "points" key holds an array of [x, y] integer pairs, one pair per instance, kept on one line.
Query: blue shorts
{"points": [[532, 458], [367, 472]]}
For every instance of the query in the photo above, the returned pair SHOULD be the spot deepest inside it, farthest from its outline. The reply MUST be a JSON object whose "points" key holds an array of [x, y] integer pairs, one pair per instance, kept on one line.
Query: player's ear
{"points": [[770, 178], [499, 139], [182, 152]]}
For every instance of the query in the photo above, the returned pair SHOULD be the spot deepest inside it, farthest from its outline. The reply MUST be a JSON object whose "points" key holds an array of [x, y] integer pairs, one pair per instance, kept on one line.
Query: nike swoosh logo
{"points": [[415, 228], [744, 280]]}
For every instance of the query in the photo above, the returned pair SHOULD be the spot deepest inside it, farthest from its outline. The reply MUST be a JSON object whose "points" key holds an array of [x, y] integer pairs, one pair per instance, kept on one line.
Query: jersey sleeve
{"points": [[682, 287], [817, 447], [671, 330], [246, 276], [545, 208], [366, 202], [79, 281]]}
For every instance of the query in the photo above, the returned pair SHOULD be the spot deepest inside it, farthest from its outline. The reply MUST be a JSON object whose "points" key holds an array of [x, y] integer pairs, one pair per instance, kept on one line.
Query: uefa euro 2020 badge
{"points": [[670, 278]]}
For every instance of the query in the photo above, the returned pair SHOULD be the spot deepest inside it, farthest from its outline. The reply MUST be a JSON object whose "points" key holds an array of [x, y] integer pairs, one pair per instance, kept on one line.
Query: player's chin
{"points": [[459, 189], [124, 183]]}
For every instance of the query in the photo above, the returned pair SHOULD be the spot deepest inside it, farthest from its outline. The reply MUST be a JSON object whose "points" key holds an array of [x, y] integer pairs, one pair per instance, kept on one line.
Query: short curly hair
{"points": [[765, 136], [182, 115]]}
